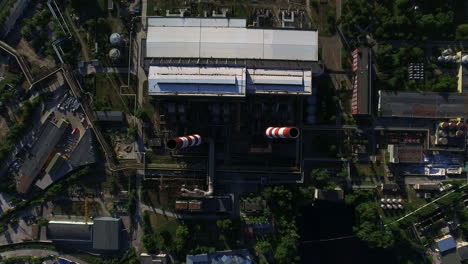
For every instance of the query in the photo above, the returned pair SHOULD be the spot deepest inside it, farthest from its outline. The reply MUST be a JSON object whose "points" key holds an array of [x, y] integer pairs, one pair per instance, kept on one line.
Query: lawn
{"points": [[327, 101], [107, 93], [369, 170], [161, 221], [327, 18]]}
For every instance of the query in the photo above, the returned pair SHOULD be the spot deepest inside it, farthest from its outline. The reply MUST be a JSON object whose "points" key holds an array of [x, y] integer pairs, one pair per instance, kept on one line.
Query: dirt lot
{"points": [[26, 50]]}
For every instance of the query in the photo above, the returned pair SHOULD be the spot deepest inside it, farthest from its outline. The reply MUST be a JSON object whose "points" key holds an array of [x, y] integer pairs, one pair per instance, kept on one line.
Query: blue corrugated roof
{"points": [[198, 88], [197, 259], [64, 261], [446, 244]]}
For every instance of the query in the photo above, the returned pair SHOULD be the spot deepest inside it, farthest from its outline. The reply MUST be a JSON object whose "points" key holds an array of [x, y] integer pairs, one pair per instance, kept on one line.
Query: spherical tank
{"points": [[115, 39], [114, 54]]}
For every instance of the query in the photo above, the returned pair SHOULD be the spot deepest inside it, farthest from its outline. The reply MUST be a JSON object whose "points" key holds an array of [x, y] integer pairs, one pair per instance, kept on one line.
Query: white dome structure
{"points": [[447, 52], [115, 39], [441, 59], [114, 54], [465, 59]]}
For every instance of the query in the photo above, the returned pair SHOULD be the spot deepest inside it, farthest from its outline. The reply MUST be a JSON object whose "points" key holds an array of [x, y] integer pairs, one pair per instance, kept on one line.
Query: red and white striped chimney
{"points": [[184, 142], [282, 132]]}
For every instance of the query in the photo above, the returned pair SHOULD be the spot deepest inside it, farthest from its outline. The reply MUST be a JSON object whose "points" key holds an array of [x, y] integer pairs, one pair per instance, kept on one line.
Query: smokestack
{"points": [[282, 132], [184, 142]]}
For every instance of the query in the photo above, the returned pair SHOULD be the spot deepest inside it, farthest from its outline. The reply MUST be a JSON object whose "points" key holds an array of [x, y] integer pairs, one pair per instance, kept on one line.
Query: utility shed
{"points": [[446, 243], [188, 41], [106, 233]]}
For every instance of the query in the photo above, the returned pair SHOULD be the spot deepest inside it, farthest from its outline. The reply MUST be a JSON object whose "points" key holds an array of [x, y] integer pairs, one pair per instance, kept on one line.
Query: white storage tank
{"points": [[114, 54], [115, 39]]}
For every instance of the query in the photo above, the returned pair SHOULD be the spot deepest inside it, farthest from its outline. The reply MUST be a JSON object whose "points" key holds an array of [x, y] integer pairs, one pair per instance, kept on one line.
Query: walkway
{"points": [[39, 253], [97, 69]]}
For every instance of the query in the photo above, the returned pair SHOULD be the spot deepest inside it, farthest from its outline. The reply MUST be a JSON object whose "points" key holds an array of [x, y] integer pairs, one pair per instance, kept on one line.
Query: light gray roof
{"points": [[196, 22], [197, 80], [106, 233], [229, 42], [226, 81]]}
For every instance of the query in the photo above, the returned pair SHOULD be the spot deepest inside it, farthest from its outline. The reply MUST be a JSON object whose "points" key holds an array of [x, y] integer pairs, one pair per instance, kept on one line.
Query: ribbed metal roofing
{"points": [[197, 81], [196, 22], [69, 230], [228, 42], [227, 81], [106, 233]]}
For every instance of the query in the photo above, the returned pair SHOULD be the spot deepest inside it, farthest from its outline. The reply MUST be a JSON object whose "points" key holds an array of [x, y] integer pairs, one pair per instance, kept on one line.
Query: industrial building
{"points": [[83, 154], [241, 256], [220, 38], [223, 57], [226, 81], [362, 82], [211, 205], [423, 105], [102, 234], [58, 230], [50, 135]]}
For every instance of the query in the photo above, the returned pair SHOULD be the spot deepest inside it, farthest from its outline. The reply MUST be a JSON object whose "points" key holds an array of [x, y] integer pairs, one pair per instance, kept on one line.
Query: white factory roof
{"points": [[279, 81], [196, 22], [231, 42], [226, 81], [207, 81]]}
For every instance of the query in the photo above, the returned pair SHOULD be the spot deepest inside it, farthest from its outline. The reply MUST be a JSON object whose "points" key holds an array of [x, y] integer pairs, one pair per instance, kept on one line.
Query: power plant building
{"points": [[223, 57]]}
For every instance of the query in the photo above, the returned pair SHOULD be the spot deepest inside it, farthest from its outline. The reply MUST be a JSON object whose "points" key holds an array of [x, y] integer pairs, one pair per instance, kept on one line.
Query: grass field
{"points": [[107, 93], [369, 170], [67, 207], [160, 221]]}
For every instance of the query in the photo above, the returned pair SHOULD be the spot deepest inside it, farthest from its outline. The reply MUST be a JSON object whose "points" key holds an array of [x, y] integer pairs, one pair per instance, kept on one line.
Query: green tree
{"points": [[132, 132], [141, 114], [181, 238], [462, 32], [321, 179], [286, 251]]}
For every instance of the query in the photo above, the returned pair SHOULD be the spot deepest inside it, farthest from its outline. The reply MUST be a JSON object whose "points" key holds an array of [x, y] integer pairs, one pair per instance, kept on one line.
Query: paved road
{"points": [[39, 253]]}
